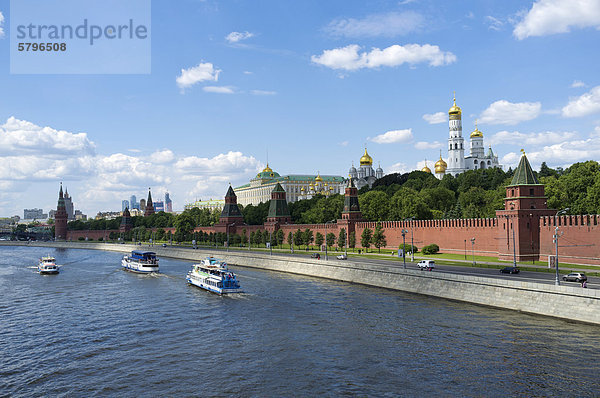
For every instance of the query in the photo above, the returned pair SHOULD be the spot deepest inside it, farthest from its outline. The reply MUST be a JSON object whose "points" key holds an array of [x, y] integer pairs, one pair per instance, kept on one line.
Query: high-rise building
{"points": [[159, 205], [124, 205], [142, 205], [168, 203], [133, 203], [69, 206]]}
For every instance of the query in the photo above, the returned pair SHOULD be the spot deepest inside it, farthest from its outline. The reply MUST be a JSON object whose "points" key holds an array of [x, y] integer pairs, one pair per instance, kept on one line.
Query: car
{"points": [[426, 264], [164, 245], [316, 255], [510, 270], [575, 277], [342, 257]]}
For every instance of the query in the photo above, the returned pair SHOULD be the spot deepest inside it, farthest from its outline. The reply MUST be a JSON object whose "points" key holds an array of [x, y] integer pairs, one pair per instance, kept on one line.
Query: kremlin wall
{"points": [[525, 227]]}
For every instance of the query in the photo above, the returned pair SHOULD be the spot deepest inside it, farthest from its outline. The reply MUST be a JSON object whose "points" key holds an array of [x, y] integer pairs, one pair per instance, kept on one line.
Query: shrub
{"points": [[100, 239], [81, 238], [431, 249], [408, 248]]}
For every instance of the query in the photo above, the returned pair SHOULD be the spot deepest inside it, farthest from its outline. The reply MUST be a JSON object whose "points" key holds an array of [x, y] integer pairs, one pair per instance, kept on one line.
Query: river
{"points": [[96, 330]]}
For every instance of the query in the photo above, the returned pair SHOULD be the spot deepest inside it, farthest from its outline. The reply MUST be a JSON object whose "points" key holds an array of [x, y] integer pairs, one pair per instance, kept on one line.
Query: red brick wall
{"points": [[579, 243]]}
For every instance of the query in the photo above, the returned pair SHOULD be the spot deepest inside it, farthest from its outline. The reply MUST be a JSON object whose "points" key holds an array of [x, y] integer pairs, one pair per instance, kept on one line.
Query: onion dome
{"points": [[352, 169], [319, 178], [302, 189], [366, 160], [455, 110], [440, 165], [267, 169], [379, 169], [426, 169], [476, 132]]}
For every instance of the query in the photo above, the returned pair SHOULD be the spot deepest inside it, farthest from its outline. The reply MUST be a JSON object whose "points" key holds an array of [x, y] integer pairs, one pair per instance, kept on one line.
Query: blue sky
{"points": [[309, 82]]}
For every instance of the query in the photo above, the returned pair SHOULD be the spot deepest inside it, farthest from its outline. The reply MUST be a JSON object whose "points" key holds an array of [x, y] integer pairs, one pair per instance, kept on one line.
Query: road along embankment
{"points": [[568, 302]]}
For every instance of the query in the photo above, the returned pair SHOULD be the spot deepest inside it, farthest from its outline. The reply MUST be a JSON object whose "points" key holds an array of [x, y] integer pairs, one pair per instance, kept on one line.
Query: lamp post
{"points": [[404, 232], [412, 241], [473, 249], [465, 249], [555, 239], [270, 243]]}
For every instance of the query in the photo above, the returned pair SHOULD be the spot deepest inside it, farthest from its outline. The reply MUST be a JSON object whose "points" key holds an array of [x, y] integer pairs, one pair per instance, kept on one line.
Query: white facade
{"points": [[365, 174]]}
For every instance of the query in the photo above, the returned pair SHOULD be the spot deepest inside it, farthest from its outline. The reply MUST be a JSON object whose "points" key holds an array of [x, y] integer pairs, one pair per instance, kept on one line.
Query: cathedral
{"points": [[457, 161], [365, 175]]}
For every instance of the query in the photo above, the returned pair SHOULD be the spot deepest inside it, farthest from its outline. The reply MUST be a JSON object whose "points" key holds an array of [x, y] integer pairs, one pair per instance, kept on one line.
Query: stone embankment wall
{"points": [[566, 302]]}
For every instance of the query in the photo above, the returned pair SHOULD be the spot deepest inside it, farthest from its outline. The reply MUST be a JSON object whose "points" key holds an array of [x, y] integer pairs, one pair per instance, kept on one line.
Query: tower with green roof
{"points": [[278, 208], [518, 223]]}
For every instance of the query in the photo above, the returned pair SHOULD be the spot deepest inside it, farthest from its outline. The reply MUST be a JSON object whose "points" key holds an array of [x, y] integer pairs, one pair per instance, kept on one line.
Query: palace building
{"points": [[296, 186]]}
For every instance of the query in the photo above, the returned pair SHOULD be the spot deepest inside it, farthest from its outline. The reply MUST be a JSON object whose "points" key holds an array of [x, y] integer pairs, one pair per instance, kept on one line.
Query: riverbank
{"points": [[566, 302]]}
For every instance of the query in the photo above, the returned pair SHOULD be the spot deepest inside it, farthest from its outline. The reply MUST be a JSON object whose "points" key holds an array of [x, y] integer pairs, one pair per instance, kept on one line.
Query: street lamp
{"points": [[465, 249], [555, 240], [228, 225], [404, 232], [270, 243], [473, 249], [412, 242]]}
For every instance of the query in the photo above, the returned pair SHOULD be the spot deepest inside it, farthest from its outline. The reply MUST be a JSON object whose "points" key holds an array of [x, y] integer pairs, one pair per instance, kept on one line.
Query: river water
{"points": [[96, 330]]}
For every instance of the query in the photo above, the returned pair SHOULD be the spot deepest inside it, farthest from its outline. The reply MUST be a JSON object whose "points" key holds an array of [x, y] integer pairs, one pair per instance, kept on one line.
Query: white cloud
{"points": [[504, 112], [584, 105], [393, 136], [247, 72], [577, 83], [435, 118], [398, 168], [429, 145], [349, 58], [199, 73], [531, 139], [387, 25], [263, 92], [35, 159], [219, 89], [558, 16], [494, 23], [235, 37], [1, 24], [344, 143], [26, 138]]}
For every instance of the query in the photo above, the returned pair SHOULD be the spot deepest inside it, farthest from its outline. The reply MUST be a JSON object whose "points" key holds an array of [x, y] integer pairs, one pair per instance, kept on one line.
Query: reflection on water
{"points": [[95, 329]]}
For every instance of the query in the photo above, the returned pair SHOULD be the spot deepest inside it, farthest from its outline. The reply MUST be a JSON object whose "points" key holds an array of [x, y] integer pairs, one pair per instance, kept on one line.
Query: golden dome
{"points": [[440, 165], [302, 189], [267, 169], [426, 169], [366, 160], [319, 178], [476, 132], [455, 110]]}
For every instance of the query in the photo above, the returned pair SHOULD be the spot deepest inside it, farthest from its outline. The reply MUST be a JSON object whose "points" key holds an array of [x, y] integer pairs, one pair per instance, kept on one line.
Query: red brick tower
{"points": [[518, 223], [126, 221], [60, 217], [279, 213], [231, 214], [351, 213], [149, 207]]}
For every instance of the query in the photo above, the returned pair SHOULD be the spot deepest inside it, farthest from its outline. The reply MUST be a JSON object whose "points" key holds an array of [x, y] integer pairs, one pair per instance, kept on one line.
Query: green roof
{"points": [[296, 178], [524, 174]]}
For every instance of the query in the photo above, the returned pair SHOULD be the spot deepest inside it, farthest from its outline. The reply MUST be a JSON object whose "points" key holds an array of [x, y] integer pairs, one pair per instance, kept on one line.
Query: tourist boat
{"points": [[47, 265], [140, 261], [213, 275]]}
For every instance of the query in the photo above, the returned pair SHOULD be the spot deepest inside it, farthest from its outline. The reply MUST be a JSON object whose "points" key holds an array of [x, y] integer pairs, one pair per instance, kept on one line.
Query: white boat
{"points": [[213, 275], [47, 265], [140, 261]]}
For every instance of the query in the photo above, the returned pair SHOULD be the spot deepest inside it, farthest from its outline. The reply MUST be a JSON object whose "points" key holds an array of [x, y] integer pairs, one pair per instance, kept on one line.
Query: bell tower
{"points": [[456, 142]]}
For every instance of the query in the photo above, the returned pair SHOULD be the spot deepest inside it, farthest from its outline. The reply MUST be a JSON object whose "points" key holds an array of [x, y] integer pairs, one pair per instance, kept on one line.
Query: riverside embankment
{"points": [[556, 301]]}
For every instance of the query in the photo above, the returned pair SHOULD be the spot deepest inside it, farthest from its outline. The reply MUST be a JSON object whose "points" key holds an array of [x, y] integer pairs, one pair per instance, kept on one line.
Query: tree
{"points": [[308, 237], [279, 237], [379, 237], [244, 236], [341, 242], [290, 238], [330, 239], [252, 237], [184, 225], [365, 238], [298, 238], [258, 237], [352, 240], [374, 206], [319, 239]]}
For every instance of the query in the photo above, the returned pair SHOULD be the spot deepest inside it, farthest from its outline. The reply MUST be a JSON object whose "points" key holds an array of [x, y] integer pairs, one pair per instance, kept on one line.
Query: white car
{"points": [[426, 264], [342, 257]]}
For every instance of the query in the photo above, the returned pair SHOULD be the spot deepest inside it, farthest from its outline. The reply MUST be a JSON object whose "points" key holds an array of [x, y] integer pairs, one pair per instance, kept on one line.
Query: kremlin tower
{"points": [[60, 217], [456, 142], [149, 206]]}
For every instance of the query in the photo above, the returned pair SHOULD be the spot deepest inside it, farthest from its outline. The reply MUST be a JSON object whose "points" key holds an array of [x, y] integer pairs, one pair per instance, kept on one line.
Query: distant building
{"points": [[34, 214], [142, 206], [124, 205], [168, 203], [133, 203], [159, 206], [69, 206], [79, 215], [108, 215], [206, 204], [149, 208]]}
